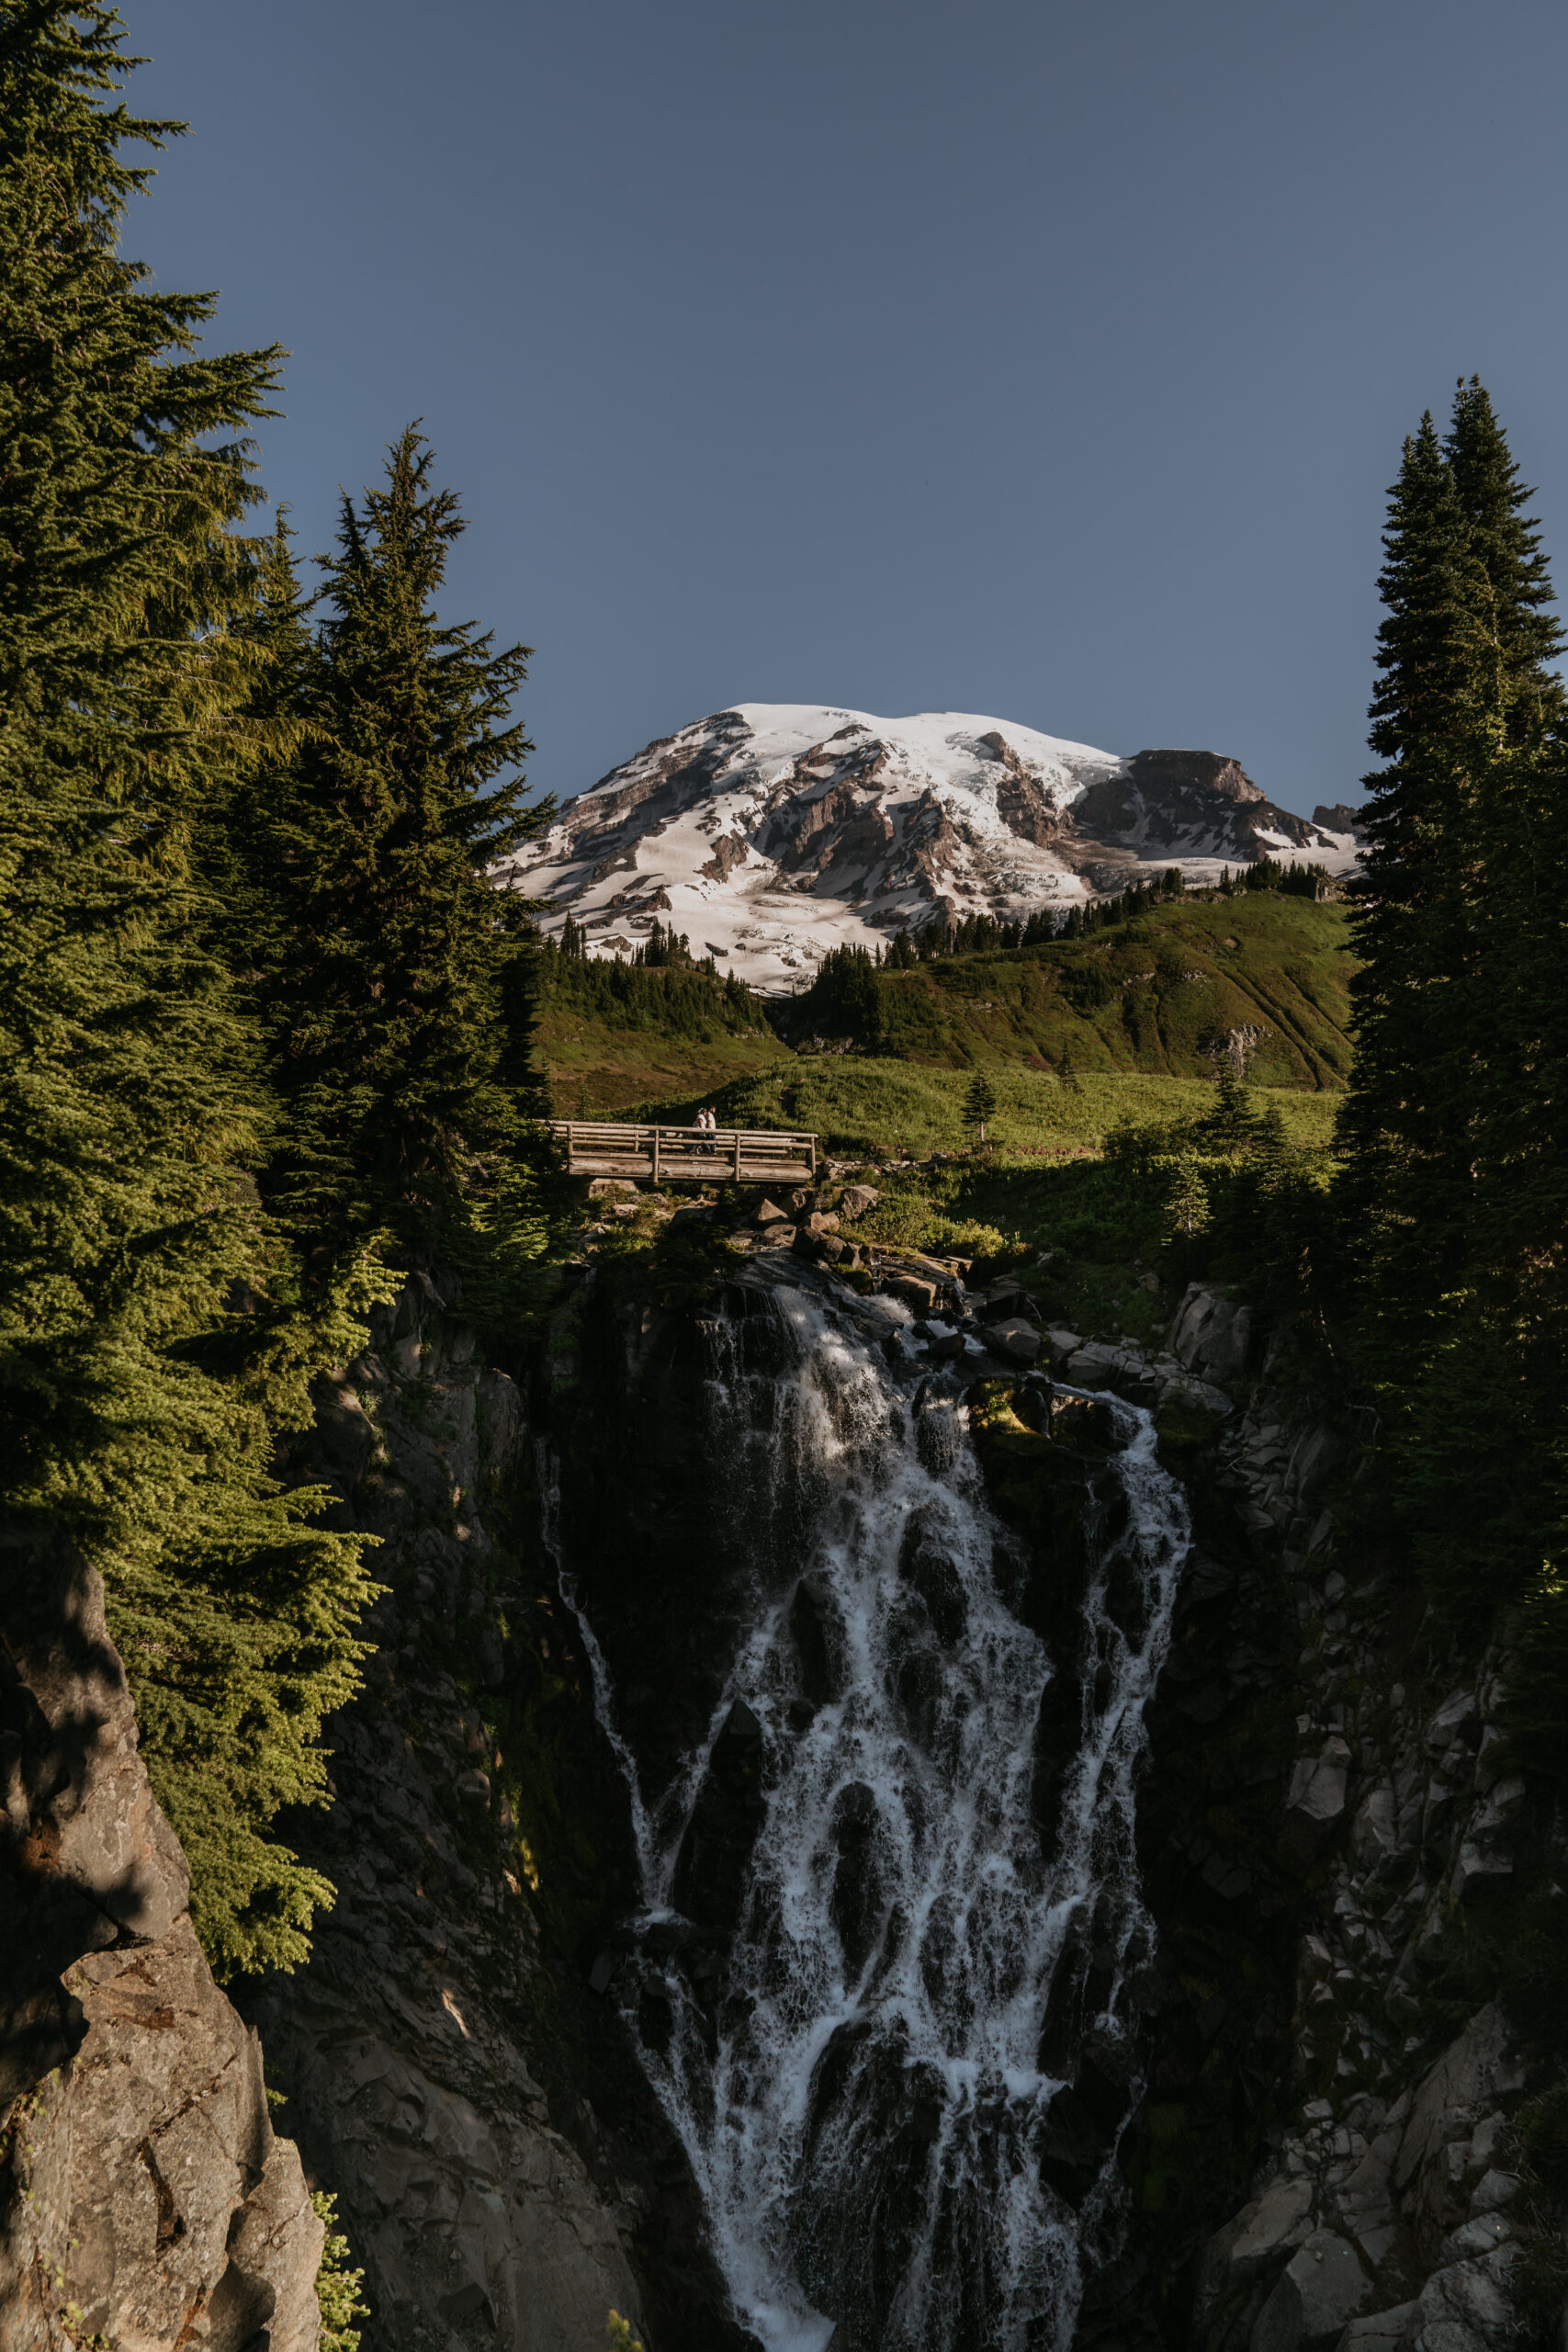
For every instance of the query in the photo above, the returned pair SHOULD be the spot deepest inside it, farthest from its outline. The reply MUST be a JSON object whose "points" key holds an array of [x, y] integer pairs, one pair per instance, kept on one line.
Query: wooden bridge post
{"points": [[737, 1155], [656, 1155]]}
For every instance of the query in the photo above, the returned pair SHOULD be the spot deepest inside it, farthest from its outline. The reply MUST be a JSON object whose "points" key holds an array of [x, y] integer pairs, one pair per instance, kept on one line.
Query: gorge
{"points": [[813, 1870]]}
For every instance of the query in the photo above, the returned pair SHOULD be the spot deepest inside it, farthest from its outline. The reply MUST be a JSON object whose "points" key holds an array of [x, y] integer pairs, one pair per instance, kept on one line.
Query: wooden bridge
{"points": [[686, 1155]]}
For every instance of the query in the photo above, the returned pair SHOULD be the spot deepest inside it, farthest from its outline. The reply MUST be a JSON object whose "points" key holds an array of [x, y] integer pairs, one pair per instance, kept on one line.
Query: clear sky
{"points": [[1048, 358]]}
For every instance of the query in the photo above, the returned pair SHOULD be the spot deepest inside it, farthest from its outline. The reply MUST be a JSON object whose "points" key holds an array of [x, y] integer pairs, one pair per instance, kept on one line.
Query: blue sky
{"points": [[1045, 360]]}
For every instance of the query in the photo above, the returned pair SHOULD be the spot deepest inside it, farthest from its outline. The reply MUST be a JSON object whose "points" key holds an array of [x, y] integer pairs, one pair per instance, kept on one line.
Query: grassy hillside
{"points": [[1146, 995], [614, 1038], [878, 1107], [1133, 1008]]}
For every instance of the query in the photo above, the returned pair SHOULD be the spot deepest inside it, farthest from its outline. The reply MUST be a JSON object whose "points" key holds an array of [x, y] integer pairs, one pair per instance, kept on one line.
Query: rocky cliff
{"points": [[1349, 1869], [145, 2200], [502, 2172]]}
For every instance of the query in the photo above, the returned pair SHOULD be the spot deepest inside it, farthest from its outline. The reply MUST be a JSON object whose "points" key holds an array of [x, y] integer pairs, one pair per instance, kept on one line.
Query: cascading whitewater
{"points": [[887, 2048]]}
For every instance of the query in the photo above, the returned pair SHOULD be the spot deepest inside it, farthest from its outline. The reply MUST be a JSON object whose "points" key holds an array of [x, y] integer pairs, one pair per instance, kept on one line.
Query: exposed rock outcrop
{"points": [[145, 2200], [1386, 2213], [501, 2172]]}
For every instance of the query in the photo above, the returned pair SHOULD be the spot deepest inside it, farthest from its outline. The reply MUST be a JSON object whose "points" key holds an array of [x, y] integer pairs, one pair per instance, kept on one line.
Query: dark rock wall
{"points": [[145, 2200], [502, 2171]]}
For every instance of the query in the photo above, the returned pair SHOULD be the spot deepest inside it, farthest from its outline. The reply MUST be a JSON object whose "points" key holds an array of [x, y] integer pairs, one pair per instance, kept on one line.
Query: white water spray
{"points": [[866, 2073]]}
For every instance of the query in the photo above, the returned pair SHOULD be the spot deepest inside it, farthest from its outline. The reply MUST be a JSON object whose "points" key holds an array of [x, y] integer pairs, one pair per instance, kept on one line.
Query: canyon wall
{"points": [[1329, 2150]]}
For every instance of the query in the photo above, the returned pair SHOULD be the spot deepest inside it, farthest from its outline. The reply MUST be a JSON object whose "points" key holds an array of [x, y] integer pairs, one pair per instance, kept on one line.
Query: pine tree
{"points": [[1526, 637], [1231, 1128], [150, 1352], [390, 1040], [1455, 1199], [1407, 1120], [1521, 1127], [979, 1105]]}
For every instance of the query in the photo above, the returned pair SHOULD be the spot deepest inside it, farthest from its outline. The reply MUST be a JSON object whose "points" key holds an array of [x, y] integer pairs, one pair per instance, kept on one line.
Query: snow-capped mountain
{"points": [[772, 832]]}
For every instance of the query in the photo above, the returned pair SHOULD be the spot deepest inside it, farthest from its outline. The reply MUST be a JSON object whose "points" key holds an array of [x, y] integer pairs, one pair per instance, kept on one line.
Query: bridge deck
{"points": [[686, 1155]]}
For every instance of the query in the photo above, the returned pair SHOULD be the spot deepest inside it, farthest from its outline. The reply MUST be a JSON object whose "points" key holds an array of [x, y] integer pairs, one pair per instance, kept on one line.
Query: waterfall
{"points": [[890, 1906]]}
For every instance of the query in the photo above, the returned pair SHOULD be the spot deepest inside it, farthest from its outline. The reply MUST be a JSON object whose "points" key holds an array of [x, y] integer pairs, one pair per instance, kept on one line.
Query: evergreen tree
{"points": [[979, 1105], [1407, 1120], [1231, 1128], [1455, 1199], [389, 995], [1519, 1127], [151, 1350], [1525, 635]]}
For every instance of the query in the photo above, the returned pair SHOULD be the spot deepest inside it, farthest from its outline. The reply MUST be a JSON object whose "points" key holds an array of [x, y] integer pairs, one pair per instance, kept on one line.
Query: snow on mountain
{"points": [[774, 832]]}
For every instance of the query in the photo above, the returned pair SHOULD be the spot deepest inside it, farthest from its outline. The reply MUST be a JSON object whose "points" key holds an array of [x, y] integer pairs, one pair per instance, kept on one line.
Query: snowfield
{"points": [[774, 832]]}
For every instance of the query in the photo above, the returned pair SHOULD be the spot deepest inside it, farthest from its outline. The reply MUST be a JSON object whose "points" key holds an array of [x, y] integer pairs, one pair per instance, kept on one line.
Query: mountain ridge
{"points": [[770, 833]]}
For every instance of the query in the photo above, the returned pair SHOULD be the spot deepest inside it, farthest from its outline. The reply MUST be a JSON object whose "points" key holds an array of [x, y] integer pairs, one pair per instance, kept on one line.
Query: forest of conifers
{"points": [[265, 1026]]}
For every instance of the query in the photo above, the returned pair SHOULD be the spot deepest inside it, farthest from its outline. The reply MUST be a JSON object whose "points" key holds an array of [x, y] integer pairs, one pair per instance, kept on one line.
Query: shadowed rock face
{"points": [[449, 2074], [144, 2197], [1193, 804]]}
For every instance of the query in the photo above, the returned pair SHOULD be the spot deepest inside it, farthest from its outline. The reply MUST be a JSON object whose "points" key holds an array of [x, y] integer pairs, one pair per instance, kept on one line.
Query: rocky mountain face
{"points": [[771, 833], [145, 2200], [1326, 2155], [1339, 1846]]}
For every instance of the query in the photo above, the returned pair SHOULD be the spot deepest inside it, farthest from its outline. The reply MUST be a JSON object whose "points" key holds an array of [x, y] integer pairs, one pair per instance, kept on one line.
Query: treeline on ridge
{"points": [[659, 983]]}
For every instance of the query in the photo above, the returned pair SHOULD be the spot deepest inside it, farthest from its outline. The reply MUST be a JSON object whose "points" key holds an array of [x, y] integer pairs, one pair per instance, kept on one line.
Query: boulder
{"points": [[1466, 2306], [1122, 1370], [1016, 1339], [1084, 1423], [920, 1295], [1379, 2330], [1322, 2289], [1374, 1835], [1469, 2077], [1316, 1802], [858, 1199], [147, 2201], [1277, 2221], [612, 1187], [769, 1212], [1211, 1334]]}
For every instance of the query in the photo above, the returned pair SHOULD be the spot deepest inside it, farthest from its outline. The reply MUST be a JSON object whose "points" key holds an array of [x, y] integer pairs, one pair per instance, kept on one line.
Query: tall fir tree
{"points": [[399, 974], [150, 1351], [1521, 1154], [1525, 634], [1405, 1123], [1455, 1199]]}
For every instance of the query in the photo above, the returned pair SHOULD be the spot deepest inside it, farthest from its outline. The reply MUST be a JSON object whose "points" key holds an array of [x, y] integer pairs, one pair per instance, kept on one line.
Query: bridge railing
{"points": [[689, 1155]]}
